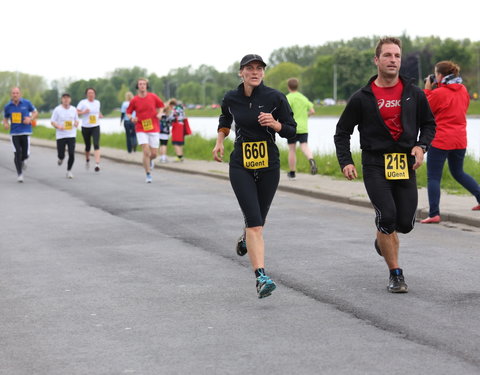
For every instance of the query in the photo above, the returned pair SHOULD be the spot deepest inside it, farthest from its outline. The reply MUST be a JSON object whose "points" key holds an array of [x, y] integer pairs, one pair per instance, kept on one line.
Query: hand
{"points": [[61, 127], [266, 119], [27, 120], [6, 125], [134, 120], [85, 111], [418, 153], [428, 84], [218, 149], [350, 172]]}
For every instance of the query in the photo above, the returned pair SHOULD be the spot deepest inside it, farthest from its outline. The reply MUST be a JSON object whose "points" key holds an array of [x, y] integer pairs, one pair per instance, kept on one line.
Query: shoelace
{"points": [[263, 278]]}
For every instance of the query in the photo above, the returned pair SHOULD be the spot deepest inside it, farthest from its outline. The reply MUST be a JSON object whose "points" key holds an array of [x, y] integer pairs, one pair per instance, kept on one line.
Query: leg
{"points": [[292, 156], [71, 153], [455, 163], [86, 133], [389, 245], [306, 150], [61, 149], [96, 143], [153, 153], [128, 136], [17, 153], [435, 162], [146, 157], [25, 140]]}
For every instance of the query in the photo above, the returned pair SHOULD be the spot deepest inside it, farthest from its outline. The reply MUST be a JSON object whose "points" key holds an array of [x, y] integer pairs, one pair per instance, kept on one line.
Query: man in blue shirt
{"points": [[18, 116]]}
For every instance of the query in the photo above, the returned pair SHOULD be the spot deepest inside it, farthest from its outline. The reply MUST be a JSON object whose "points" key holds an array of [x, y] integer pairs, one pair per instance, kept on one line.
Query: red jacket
{"points": [[449, 104]]}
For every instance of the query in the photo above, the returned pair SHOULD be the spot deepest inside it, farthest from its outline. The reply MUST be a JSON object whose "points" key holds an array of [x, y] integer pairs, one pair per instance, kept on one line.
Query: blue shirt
{"points": [[16, 114]]}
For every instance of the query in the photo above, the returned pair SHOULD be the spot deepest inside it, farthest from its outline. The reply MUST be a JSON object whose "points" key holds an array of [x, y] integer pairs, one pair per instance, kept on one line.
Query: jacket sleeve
{"points": [[285, 117], [225, 120], [350, 117], [425, 121]]}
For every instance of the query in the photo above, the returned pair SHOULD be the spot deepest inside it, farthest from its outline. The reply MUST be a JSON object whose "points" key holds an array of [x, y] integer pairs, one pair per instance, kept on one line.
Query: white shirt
{"points": [[90, 119], [65, 117]]}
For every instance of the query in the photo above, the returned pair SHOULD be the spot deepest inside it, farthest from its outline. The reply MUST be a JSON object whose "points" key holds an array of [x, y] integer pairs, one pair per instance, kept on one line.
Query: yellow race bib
{"points": [[16, 118], [396, 166], [68, 125], [92, 119], [255, 154], [147, 124]]}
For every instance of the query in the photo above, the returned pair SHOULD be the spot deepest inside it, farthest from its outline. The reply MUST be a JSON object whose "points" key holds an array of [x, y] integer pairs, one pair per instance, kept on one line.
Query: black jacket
{"points": [[375, 138], [244, 110]]}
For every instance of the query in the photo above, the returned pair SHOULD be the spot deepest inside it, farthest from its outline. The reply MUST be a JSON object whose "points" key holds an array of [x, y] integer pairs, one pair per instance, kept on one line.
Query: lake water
{"points": [[320, 138]]}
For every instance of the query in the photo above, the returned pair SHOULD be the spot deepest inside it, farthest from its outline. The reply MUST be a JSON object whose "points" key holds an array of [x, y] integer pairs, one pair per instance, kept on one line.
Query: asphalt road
{"points": [[104, 274]]}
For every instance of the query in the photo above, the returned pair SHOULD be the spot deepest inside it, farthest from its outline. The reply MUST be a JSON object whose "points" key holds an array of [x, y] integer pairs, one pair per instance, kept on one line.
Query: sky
{"points": [[91, 38]]}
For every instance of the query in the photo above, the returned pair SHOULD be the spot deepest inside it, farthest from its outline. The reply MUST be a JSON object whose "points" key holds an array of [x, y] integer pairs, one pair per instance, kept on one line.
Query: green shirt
{"points": [[300, 107]]}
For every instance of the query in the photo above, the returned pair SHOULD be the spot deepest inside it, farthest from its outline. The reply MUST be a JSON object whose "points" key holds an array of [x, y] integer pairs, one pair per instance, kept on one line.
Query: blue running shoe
{"points": [[265, 286], [149, 179]]}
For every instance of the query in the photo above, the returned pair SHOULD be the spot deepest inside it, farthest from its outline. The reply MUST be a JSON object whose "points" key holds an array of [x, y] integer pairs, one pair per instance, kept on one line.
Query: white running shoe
{"points": [[69, 175], [20, 178], [148, 179]]}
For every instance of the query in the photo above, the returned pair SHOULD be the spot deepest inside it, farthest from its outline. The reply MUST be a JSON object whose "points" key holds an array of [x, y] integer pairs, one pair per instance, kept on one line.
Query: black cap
{"points": [[251, 57], [66, 94]]}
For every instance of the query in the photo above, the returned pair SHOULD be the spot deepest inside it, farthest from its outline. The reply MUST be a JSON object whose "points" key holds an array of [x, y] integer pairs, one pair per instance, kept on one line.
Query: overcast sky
{"points": [[89, 38]]}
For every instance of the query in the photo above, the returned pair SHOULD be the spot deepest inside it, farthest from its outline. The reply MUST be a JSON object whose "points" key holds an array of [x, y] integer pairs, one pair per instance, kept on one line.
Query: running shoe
{"points": [[69, 175], [148, 179], [476, 208], [397, 283], [313, 166], [431, 220], [377, 248], [265, 286], [291, 175], [97, 168], [59, 161], [241, 245], [20, 178]]}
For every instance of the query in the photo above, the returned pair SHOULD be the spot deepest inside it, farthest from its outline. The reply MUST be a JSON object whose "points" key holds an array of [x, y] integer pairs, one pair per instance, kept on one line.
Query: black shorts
{"points": [[302, 138], [254, 189], [88, 135], [178, 143], [395, 201], [163, 142]]}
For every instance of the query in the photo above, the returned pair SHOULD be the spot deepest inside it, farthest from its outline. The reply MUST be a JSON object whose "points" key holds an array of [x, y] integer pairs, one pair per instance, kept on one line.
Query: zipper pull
{"points": [[250, 105]]}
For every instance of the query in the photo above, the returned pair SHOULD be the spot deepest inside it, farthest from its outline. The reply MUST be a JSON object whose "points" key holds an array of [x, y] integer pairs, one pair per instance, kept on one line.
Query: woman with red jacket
{"points": [[449, 103]]}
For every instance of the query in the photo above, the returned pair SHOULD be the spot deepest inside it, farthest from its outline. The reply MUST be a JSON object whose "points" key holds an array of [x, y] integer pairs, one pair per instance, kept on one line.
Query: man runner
{"points": [[18, 116], [396, 127], [147, 107], [302, 108], [65, 121]]}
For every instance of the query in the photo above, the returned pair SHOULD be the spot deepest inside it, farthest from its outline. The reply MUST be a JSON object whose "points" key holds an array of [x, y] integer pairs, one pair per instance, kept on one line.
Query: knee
{"points": [[153, 153], [405, 226], [386, 224], [256, 231]]}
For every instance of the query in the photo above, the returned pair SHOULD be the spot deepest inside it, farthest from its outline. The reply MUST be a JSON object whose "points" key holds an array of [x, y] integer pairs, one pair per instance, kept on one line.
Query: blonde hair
{"points": [[128, 95]]}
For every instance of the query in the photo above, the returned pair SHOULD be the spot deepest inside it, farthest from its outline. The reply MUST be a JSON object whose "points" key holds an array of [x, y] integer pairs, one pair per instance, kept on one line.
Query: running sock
{"points": [[259, 271], [396, 272]]}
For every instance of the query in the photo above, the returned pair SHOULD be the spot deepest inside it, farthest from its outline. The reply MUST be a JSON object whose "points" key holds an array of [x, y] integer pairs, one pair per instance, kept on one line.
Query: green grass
{"points": [[199, 148]]}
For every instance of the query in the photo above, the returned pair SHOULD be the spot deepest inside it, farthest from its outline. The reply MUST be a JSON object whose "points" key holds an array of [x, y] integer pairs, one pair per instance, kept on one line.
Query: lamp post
{"points": [[204, 89]]}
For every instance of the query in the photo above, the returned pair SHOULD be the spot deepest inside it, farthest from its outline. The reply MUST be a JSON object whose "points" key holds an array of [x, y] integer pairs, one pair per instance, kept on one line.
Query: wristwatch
{"points": [[423, 147]]}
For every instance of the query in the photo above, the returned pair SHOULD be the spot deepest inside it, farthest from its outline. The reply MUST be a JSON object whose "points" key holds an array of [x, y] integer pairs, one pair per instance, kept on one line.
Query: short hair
{"points": [[90, 88], [293, 84], [387, 40], [66, 95], [446, 68], [172, 101]]}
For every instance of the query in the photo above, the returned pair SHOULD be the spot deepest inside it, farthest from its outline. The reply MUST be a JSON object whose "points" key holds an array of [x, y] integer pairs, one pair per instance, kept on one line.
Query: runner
{"points": [[65, 120], [18, 115], [89, 109], [302, 108], [147, 107], [164, 135], [396, 127], [130, 135], [259, 112], [176, 116]]}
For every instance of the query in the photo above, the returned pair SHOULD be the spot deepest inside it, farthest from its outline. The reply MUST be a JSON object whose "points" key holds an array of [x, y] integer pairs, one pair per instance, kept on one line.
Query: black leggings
{"points": [[21, 145], [395, 201], [91, 133], [255, 190], [70, 143]]}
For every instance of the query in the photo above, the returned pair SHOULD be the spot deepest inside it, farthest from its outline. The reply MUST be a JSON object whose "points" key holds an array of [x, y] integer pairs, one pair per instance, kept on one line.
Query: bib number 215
{"points": [[396, 166]]}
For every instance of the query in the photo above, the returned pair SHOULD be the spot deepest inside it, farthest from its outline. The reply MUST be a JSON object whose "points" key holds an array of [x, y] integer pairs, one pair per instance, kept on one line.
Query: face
{"points": [[438, 76], [91, 95], [252, 73], [66, 100], [389, 61], [15, 94], [142, 86]]}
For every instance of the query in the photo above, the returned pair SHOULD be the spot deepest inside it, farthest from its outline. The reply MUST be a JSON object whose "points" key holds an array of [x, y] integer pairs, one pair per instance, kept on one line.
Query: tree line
{"points": [[349, 61]]}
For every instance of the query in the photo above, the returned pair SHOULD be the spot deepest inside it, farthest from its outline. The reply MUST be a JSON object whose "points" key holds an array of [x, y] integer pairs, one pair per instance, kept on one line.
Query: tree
{"points": [[50, 100], [277, 76], [302, 56]]}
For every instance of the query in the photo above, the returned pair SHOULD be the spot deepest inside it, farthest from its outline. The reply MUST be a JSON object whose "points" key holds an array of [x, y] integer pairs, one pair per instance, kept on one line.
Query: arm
{"points": [[224, 125], [54, 121], [350, 117], [6, 124], [285, 126]]}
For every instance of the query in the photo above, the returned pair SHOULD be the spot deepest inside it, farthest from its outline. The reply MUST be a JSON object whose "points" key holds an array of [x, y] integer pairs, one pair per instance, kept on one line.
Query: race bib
{"points": [[396, 166], [147, 124], [92, 119], [255, 155], [68, 125], [16, 118]]}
